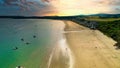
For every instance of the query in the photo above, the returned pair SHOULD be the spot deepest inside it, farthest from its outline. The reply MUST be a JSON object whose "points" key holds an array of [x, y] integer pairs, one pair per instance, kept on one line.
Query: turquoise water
{"points": [[32, 55]]}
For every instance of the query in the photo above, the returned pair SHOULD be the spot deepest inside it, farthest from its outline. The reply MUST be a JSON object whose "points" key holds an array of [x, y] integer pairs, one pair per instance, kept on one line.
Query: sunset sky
{"points": [[58, 7]]}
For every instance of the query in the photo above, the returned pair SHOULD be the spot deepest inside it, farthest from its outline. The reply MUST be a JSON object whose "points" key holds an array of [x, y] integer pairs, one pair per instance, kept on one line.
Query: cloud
{"points": [[109, 2], [59, 7], [24, 7], [22, 4], [45, 0]]}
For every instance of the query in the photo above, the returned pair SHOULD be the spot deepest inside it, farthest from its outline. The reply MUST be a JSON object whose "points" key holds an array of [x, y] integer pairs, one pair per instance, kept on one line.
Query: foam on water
{"points": [[61, 48]]}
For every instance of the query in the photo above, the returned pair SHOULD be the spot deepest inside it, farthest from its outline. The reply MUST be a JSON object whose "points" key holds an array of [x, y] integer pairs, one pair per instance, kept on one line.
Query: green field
{"points": [[101, 19]]}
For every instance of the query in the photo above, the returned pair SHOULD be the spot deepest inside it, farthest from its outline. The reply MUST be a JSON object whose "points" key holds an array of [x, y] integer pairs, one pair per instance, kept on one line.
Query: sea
{"points": [[29, 43]]}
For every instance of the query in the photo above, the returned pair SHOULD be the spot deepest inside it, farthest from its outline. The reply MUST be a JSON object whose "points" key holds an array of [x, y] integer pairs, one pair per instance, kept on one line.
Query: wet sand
{"points": [[91, 48], [60, 55]]}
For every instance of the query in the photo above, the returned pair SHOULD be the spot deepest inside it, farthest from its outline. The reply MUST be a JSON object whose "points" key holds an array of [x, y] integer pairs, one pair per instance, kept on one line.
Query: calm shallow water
{"points": [[37, 53]]}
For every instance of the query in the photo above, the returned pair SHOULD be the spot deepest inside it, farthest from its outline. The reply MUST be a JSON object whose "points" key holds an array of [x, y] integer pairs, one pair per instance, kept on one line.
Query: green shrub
{"points": [[111, 29]]}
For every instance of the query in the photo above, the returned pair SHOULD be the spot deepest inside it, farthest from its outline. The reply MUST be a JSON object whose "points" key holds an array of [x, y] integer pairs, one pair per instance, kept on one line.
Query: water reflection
{"points": [[29, 43]]}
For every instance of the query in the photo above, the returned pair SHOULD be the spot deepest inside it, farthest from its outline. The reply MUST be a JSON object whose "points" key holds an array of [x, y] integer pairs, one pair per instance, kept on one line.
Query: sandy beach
{"points": [[58, 44], [91, 48]]}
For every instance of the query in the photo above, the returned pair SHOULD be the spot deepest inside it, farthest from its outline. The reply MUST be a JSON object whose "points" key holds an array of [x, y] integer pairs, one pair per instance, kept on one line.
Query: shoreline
{"points": [[61, 55], [91, 48]]}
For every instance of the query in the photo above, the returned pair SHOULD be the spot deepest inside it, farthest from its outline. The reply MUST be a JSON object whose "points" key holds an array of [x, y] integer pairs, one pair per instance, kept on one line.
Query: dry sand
{"points": [[91, 48]]}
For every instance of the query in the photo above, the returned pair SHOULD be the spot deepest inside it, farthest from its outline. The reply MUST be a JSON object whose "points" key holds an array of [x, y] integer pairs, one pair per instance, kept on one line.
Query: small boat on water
{"points": [[34, 36], [27, 43], [22, 39], [15, 48], [19, 67]]}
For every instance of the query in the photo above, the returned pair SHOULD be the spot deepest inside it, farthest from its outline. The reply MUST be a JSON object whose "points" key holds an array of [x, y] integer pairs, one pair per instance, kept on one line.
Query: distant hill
{"points": [[106, 15], [55, 17]]}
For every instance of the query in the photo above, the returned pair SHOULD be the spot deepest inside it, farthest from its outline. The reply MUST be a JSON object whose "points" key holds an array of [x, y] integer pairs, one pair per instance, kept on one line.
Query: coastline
{"points": [[61, 55], [91, 48]]}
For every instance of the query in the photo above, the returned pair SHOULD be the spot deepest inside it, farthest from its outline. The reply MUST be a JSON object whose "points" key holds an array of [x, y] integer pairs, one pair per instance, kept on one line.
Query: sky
{"points": [[58, 7]]}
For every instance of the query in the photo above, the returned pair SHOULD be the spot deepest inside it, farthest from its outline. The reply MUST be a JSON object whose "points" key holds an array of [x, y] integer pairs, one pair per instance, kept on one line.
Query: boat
{"points": [[20, 67]]}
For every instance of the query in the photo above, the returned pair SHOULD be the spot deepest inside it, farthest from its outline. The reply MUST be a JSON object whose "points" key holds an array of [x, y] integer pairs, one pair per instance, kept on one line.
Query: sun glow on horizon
{"points": [[78, 7]]}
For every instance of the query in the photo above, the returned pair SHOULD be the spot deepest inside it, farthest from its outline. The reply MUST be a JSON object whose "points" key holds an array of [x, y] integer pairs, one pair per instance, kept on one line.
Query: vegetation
{"points": [[111, 29], [101, 19], [110, 26]]}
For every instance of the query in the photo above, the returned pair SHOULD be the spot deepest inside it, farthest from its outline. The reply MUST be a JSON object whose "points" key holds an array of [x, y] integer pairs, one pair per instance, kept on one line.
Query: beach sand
{"points": [[91, 48]]}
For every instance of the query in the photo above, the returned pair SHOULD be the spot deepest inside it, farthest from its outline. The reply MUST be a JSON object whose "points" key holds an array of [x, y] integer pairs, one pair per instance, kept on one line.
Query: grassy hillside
{"points": [[104, 19], [96, 18], [109, 26]]}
